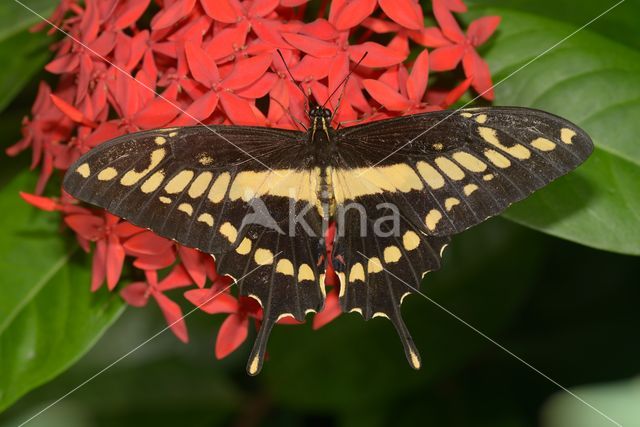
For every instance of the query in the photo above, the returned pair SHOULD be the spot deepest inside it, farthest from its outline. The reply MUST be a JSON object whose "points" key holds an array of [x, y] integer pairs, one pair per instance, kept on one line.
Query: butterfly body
{"points": [[260, 200]]}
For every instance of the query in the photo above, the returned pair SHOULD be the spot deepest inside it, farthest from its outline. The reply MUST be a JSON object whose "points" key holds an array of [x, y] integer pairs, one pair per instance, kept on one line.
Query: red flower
{"points": [[108, 231], [138, 293], [143, 64], [453, 46]]}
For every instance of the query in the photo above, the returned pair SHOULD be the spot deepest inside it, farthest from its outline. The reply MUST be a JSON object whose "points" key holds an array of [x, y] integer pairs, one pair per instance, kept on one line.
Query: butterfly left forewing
{"points": [[227, 191]]}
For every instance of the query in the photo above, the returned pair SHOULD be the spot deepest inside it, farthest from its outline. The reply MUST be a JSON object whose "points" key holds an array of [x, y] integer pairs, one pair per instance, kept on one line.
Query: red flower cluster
{"points": [[129, 65]]}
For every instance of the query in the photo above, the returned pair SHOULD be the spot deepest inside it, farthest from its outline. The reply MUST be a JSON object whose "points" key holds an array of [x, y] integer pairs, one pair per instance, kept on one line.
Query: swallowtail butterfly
{"points": [[395, 204]]}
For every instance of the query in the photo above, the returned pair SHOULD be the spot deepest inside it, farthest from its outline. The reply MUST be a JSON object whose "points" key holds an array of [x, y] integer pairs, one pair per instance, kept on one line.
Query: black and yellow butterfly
{"points": [[397, 190]]}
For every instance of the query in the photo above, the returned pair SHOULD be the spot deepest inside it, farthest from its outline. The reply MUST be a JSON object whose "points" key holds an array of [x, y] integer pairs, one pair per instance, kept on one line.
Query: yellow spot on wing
{"points": [[263, 256], [438, 146], [244, 247], [374, 265], [285, 267], [466, 115], [566, 135], [200, 184], [253, 367], [219, 187], [491, 136], [469, 189], [430, 175], [172, 134], [497, 159], [410, 240], [305, 273], [488, 177], [153, 182], [132, 177], [186, 208], [450, 203], [229, 231], [449, 168], [206, 218], [179, 182], [481, 118], [392, 254], [160, 140], [107, 174], [164, 200], [415, 360], [205, 159], [356, 273], [352, 183], [469, 161], [543, 144], [432, 219], [84, 170]]}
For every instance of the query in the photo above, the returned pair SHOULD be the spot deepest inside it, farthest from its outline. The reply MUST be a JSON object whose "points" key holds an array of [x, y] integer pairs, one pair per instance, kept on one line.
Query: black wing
{"points": [[198, 186], [444, 172], [452, 170]]}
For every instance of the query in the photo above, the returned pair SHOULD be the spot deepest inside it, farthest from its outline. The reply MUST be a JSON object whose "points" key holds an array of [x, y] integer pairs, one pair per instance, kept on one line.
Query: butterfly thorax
{"points": [[321, 138]]}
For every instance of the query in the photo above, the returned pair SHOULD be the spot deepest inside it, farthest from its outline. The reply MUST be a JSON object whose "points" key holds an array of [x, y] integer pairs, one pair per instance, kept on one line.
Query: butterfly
{"points": [[260, 199]]}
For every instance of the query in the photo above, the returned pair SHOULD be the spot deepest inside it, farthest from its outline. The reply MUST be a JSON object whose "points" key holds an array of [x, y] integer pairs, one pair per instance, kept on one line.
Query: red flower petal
{"points": [[478, 70], [44, 203], [88, 226], [172, 14], [446, 58], [136, 294], [481, 29], [115, 261], [129, 12], [417, 81], [155, 262], [198, 111], [226, 11], [330, 311], [386, 95], [453, 96], [247, 71], [310, 45], [259, 88], [237, 109], [407, 13], [430, 37], [233, 332], [98, 270], [377, 55], [202, 67], [177, 278], [447, 22], [147, 243], [262, 7], [352, 13], [156, 114], [320, 29], [227, 40], [195, 263], [212, 301], [173, 315], [71, 112]]}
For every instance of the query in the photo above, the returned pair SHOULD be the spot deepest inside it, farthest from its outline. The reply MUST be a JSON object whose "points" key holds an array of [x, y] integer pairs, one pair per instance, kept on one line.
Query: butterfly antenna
{"points": [[343, 85], [294, 80], [291, 116]]}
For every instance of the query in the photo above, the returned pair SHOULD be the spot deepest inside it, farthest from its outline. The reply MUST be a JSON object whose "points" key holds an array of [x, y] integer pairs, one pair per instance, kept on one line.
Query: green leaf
{"points": [[595, 83], [15, 17], [48, 316], [22, 53]]}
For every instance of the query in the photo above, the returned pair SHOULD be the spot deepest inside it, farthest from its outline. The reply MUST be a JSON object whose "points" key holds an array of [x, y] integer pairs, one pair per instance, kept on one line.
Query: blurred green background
{"points": [[567, 309]]}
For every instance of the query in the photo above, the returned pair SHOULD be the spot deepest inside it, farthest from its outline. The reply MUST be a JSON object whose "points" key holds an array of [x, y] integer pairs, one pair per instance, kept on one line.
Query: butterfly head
{"points": [[320, 112]]}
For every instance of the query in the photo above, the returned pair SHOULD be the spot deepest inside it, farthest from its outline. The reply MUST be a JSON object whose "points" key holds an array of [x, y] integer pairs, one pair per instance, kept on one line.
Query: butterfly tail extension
{"points": [[379, 266]]}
